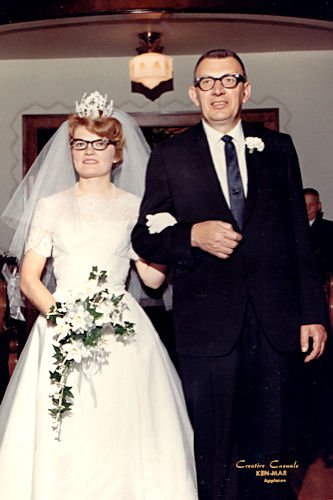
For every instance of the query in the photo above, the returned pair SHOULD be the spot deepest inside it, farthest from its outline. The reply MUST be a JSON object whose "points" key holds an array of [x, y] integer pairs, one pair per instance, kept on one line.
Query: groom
{"points": [[247, 296]]}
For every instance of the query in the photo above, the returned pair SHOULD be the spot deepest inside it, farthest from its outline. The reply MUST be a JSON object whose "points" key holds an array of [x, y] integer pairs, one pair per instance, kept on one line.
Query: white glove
{"points": [[157, 222]]}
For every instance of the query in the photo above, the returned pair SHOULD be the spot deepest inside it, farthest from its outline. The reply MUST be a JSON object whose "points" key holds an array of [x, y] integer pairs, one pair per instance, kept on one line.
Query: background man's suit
{"points": [[271, 278], [322, 239]]}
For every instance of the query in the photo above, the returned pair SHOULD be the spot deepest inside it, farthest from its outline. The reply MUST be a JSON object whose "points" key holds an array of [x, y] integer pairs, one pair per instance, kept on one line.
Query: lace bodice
{"points": [[86, 231]]}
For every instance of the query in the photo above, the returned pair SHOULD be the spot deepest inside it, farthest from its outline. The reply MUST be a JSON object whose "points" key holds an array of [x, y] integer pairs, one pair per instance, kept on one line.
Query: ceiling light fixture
{"points": [[150, 67]]}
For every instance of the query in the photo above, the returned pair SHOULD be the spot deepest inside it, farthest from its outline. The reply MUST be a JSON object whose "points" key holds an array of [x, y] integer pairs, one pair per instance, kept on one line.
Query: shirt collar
{"points": [[213, 136]]}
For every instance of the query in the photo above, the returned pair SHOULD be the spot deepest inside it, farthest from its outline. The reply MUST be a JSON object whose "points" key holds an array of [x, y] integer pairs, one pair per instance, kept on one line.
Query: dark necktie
{"points": [[235, 185]]}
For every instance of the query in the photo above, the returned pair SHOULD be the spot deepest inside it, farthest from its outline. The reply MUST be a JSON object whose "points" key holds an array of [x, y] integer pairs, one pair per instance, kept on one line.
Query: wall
{"points": [[298, 83]]}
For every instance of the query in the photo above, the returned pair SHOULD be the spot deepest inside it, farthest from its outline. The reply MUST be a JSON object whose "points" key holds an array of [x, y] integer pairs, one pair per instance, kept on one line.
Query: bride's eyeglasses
{"points": [[97, 144]]}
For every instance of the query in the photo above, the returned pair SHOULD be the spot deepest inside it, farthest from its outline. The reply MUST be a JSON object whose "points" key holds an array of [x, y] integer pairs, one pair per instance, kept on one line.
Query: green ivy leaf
{"points": [[55, 376], [67, 392]]}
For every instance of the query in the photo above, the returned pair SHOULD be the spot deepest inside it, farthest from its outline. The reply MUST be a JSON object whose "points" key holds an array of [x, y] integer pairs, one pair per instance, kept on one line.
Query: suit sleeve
{"points": [[172, 245], [312, 302]]}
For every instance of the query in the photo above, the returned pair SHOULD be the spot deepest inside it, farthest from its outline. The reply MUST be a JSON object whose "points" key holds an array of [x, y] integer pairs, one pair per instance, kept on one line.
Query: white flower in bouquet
{"points": [[62, 327], [81, 320], [105, 310], [76, 351]]}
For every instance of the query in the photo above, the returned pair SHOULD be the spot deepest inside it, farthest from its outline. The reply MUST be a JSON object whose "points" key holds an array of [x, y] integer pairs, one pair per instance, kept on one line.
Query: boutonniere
{"points": [[254, 143]]}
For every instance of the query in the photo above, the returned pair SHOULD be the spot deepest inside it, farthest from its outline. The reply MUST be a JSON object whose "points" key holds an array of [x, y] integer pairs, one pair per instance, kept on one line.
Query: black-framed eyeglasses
{"points": [[229, 81], [97, 144]]}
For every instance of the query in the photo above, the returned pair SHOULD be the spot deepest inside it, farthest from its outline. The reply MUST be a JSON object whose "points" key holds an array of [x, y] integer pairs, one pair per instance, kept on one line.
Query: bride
{"points": [[127, 435]]}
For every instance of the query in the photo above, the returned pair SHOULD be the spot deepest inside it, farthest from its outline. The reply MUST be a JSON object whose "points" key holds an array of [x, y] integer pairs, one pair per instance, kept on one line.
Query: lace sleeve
{"points": [[40, 237], [126, 211]]}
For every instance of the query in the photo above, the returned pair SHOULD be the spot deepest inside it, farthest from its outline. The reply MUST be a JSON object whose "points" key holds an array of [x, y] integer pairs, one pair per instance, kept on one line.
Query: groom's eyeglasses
{"points": [[97, 144], [229, 81]]}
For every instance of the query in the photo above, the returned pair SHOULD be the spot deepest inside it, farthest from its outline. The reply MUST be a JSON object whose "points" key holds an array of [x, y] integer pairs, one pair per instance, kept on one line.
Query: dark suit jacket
{"points": [[273, 266]]}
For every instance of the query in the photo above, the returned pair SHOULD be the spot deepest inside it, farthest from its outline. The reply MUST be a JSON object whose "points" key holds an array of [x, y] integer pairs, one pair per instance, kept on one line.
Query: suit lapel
{"points": [[207, 174]]}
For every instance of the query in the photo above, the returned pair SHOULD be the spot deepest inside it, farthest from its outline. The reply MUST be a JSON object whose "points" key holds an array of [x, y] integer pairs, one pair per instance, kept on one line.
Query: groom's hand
{"points": [[215, 237], [318, 335]]}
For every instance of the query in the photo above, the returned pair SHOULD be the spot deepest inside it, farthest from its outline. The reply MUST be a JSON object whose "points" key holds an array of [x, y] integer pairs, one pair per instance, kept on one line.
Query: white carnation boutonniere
{"points": [[254, 143]]}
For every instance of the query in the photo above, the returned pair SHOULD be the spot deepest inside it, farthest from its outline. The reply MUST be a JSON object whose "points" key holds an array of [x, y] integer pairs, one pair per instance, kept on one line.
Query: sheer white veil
{"points": [[130, 175]]}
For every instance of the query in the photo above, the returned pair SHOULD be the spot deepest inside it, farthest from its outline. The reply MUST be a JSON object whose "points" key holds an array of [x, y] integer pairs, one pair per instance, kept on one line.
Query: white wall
{"points": [[298, 83]]}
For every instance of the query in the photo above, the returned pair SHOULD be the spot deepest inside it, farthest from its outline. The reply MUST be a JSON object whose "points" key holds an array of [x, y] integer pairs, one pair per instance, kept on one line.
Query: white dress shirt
{"points": [[216, 146]]}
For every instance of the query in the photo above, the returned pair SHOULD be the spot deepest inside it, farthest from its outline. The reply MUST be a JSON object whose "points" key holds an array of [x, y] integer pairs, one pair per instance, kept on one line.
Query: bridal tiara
{"points": [[95, 106]]}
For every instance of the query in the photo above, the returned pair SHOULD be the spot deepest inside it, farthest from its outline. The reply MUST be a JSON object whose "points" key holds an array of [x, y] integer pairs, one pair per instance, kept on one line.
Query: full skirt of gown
{"points": [[127, 437]]}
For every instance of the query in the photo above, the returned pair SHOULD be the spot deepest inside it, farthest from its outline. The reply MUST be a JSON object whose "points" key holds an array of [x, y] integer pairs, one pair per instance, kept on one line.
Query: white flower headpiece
{"points": [[95, 105], [254, 143]]}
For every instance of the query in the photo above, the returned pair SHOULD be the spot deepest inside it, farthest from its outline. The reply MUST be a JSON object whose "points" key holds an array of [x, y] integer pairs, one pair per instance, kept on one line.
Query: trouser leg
{"points": [[209, 387], [264, 414]]}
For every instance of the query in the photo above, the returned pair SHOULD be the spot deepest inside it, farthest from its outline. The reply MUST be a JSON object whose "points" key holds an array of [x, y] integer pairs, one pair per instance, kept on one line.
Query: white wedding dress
{"points": [[128, 436]]}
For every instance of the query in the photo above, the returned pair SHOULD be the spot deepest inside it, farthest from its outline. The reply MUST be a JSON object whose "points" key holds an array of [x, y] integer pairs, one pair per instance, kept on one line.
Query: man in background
{"points": [[321, 231]]}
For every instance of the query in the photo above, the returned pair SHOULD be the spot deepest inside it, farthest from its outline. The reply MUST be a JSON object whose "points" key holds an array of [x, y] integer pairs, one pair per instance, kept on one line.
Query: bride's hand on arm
{"points": [[151, 274], [30, 282]]}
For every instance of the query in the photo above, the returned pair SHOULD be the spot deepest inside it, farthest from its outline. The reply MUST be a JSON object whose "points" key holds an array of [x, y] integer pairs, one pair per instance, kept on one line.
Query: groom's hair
{"points": [[219, 54]]}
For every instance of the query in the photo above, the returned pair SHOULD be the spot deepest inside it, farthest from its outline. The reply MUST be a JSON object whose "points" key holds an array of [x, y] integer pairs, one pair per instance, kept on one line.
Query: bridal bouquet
{"points": [[78, 323]]}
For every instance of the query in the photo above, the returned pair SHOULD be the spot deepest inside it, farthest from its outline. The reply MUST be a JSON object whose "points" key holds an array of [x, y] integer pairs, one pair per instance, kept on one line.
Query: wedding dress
{"points": [[128, 436]]}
